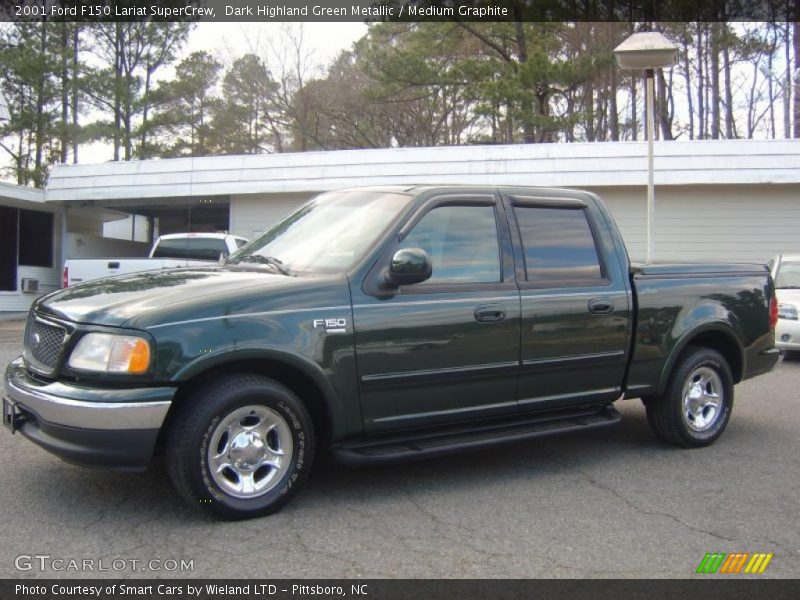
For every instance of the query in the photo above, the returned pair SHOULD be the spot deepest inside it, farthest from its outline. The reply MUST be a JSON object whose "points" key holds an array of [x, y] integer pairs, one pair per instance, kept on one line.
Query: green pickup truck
{"points": [[383, 324]]}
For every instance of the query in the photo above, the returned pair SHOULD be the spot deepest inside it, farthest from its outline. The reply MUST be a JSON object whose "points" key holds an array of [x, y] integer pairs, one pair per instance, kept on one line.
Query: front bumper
{"points": [[99, 427]]}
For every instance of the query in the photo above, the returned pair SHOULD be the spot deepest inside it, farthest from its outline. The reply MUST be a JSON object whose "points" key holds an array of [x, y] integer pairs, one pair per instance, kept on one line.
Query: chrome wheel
{"points": [[250, 451], [702, 399]]}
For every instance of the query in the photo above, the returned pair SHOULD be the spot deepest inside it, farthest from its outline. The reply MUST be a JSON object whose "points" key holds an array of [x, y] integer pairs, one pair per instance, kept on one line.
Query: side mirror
{"points": [[409, 266]]}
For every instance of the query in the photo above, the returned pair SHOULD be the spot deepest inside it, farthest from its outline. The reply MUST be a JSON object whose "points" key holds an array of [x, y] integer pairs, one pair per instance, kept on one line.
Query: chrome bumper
{"points": [[88, 408]]}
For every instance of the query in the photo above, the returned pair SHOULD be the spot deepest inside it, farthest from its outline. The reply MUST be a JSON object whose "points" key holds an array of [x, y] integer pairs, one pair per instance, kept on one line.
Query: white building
{"points": [[729, 200]]}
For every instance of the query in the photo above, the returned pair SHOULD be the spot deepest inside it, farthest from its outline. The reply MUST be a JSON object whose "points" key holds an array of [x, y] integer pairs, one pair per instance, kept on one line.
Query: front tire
{"points": [[241, 447], [697, 403]]}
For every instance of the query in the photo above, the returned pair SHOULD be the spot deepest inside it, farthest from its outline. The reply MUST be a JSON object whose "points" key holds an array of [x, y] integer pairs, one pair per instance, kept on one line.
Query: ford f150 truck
{"points": [[382, 324], [168, 252]]}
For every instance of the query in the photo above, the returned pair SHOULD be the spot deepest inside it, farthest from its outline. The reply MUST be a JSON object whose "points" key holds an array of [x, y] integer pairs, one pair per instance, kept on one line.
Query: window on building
{"points": [[558, 244], [8, 249], [35, 238]]}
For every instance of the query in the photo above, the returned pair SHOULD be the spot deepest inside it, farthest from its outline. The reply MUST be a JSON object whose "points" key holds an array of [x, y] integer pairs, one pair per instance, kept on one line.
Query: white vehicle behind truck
{"points": [[168, 252]]}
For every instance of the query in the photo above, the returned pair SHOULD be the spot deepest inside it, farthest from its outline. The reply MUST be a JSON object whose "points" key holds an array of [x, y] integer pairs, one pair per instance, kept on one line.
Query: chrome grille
{"points": [[44, 342]]}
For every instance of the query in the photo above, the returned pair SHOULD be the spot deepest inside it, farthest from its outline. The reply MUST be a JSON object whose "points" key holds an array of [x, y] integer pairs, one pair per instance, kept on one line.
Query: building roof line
{"points": [[608, 164]]}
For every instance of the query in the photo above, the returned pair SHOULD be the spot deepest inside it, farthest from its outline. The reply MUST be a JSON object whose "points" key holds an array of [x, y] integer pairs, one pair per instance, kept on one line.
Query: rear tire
{"points": [[240, 447], [697, 403]]}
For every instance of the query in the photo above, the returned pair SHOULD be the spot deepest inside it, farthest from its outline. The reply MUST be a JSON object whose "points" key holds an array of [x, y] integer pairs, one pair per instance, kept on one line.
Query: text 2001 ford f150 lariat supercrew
{"points": [[382, 324]]}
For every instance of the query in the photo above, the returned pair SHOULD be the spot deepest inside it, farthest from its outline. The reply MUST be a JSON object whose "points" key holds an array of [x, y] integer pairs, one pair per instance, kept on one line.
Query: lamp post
{"points": [[648, 51]]}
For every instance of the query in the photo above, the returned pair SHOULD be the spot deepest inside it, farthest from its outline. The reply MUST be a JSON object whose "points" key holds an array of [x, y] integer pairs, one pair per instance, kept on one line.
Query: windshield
{"points": [[326, 235], [788, 275]]}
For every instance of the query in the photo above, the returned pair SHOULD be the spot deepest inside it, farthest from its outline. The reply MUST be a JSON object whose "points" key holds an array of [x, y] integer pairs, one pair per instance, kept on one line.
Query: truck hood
{"points": [[154, 297]]}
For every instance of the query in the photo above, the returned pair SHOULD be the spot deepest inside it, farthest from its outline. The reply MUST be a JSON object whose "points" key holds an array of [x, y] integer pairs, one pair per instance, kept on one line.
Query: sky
{"points": [[226, 41]]}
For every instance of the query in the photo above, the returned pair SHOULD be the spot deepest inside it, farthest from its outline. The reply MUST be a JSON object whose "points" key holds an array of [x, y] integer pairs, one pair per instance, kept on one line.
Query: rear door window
{"points": [[558, 245]]}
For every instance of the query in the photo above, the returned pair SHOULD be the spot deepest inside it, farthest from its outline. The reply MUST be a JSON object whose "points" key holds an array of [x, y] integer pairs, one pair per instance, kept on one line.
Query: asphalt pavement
{"points": [[610, 503]]}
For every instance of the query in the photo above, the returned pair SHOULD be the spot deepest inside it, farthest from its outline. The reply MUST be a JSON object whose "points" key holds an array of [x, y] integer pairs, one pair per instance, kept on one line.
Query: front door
{"points": [[448, 348]]}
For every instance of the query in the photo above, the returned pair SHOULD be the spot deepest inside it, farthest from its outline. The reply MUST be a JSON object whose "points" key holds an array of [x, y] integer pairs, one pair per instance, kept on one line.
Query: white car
{"points": [[785, 270]]}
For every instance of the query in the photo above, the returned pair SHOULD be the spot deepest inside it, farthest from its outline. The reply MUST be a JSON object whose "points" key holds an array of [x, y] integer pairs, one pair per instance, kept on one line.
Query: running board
{"points": [[396, 447]]}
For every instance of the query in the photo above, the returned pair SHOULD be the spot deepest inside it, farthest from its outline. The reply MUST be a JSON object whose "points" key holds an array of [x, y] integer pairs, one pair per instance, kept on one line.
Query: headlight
{"points": [[109, 353], [787, 311]]}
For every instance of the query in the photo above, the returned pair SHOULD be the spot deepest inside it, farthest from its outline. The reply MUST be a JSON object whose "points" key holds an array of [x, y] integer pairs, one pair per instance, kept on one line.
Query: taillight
{"points": [[773, 313], [65, 282]]}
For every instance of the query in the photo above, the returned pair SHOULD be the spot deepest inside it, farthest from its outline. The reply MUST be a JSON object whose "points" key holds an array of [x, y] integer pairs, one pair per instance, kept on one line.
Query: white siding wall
{"points": [[85, 220], [253, 214], [628, 208], [710, 223]]}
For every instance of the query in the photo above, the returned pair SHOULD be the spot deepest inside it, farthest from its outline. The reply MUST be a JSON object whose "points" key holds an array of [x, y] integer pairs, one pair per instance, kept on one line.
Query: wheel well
{"points": [[725, 345], [290, 376]]}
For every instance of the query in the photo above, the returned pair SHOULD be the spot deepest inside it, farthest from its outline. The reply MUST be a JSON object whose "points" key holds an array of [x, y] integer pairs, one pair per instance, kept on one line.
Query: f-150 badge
{"points": [[331, 325]]}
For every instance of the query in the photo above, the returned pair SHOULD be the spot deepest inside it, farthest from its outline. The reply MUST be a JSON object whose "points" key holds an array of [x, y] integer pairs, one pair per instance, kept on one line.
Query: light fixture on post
{"points": [[648, 51]]}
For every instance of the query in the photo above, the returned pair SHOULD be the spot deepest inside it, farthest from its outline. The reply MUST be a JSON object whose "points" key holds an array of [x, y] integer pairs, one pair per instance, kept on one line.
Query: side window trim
{"points": [[439, 202], [512, 202]]}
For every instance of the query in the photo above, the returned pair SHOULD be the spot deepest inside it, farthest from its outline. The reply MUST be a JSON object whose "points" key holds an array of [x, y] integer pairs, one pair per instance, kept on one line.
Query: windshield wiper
{"points": [[788, 287], [277, 263]]}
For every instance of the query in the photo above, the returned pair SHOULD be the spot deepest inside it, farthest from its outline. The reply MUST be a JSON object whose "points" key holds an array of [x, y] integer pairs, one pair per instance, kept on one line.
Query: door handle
{"points": [[490, 313], [113, 265], [601, 306]]}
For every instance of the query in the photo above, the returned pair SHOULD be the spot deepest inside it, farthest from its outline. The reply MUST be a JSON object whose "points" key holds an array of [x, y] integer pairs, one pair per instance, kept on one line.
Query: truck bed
{"points": [[731, 300]]}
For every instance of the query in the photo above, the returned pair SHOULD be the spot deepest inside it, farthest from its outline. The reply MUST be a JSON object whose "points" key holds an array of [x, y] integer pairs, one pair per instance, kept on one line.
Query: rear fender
{"points": [[687, 338]]}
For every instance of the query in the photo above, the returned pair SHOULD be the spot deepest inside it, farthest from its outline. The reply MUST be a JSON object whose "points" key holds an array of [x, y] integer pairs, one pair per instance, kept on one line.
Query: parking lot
{"points": [[610, 503]]}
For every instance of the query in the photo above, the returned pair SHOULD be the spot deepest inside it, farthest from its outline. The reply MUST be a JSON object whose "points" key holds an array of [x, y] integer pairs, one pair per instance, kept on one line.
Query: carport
{"points": [[162, 215], [145, 198]]}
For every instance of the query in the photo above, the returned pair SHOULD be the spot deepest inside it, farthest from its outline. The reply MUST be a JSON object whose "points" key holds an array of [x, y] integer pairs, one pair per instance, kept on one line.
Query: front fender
{"points": [[185, 350], [341, 420]]}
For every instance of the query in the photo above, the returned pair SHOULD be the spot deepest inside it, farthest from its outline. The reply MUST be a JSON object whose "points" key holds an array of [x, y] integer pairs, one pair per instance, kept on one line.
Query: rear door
{"points": [[448, 348], [575, 302]]}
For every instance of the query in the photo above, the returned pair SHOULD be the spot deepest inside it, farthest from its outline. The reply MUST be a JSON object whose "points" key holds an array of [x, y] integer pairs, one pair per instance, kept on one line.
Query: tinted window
{"points": [[558, 244], [240, 243], [462, 242], [35, 238], [191, 248]]}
